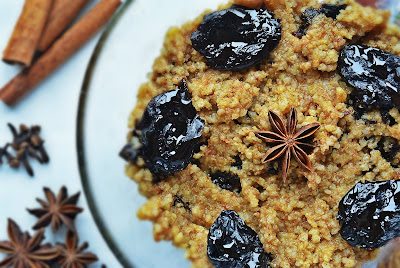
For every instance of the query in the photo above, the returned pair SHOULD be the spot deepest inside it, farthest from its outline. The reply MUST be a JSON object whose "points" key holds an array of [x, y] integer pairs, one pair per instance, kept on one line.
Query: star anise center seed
{"points": [[290, 141], [53, 209]]}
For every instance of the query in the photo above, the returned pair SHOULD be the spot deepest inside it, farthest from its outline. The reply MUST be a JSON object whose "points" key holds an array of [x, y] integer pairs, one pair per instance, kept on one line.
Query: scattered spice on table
{"points": [[24, 250], [62, 49], [72, 254], [249, 3], [5, 154], [27, 32], [287, 141], [57, 210], [26, 144], [62, 13]]}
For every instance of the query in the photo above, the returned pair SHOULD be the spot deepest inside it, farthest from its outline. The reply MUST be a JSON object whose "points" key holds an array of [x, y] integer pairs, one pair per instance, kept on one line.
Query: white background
{"points": [[53, 105]]}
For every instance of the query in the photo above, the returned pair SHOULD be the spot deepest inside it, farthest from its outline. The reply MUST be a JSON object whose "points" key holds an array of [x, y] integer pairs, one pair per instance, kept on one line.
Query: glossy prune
{"points": [[170, 131], [387, 118], [369, 214], [238, 162], [374, 74], [236, 38], [132, 150], [233, 244], [307, 16], [227, 181], [389, 147], [332, 11]]}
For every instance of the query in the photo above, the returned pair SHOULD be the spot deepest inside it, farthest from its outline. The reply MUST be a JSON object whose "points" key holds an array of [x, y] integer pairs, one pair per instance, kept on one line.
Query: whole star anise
{"points": [[57, 211], [72, 255], [24, 251], [287, 141]]}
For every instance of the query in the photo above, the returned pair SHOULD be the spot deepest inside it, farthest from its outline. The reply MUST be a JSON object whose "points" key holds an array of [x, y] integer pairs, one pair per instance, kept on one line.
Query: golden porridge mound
{"points": [[296, 220]]}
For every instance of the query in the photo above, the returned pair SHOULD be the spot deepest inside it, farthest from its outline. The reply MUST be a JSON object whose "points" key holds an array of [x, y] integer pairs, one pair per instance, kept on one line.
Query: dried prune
{"points": [[389, 147], [369, 214], [331, 11], [132, 150], [238, 162], [374, 74], [227, 181], [236, 38], [387, 118], [170, 131], [307, 16], [233, 244]]}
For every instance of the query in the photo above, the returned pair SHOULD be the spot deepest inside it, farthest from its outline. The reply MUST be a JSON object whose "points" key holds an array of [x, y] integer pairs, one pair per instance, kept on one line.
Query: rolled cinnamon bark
{"points": [[60, 51], [27, 32], [249, 3], [61, 15]]}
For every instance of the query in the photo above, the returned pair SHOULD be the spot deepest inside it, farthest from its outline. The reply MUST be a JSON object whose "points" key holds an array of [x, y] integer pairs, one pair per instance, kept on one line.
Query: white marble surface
{"points": [[53, 105]]}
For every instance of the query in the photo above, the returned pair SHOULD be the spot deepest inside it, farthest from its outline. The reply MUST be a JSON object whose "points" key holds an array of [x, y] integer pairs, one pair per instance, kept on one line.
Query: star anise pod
{"points": [[57, 210], [287, 141], [24, 251], [72, 255]]}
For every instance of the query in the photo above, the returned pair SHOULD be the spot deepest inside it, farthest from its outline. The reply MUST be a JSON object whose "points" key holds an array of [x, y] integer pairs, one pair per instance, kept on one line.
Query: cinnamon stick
{"points": [[27, 32], [61, 15], [249, 3], [60, 51]]}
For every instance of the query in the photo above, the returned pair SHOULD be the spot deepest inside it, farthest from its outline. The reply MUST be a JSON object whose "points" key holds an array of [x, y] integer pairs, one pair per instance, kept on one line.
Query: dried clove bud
{"points": [[26, 143], [14, 163], [5, 153]]}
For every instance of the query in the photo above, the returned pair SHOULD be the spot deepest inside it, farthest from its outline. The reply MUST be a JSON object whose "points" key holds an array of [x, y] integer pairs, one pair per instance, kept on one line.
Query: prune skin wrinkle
{"points": [[374, 74], [369, 214], [236, 38]]}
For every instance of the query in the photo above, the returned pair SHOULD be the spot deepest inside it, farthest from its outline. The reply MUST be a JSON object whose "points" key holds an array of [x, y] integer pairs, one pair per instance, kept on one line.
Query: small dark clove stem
{"points": [[34, 154], [22, 156], [2, 153], [27, 167], [13, 162], [8, 156], [13, 130], [18, 138], [26, 164], [43, 153], [37, 143]]}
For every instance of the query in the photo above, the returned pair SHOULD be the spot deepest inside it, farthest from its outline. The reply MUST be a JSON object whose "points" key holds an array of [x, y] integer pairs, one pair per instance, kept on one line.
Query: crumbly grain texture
{"points": [[296, 220]]}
